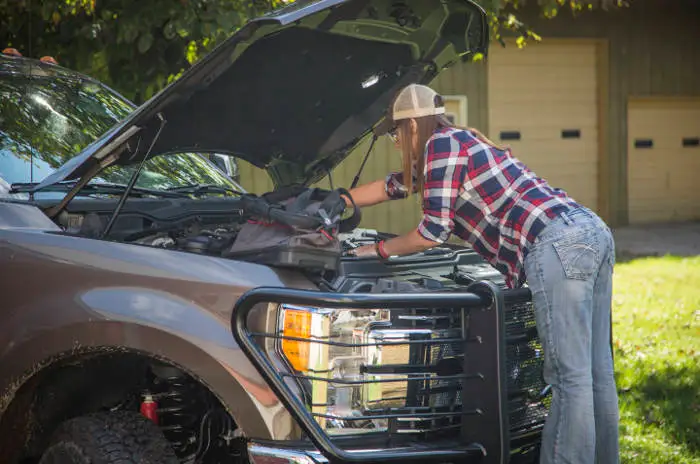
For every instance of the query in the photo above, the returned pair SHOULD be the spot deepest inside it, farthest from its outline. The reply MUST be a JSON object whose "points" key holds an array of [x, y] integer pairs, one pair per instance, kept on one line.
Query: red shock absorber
{"points": [[149, 408]]}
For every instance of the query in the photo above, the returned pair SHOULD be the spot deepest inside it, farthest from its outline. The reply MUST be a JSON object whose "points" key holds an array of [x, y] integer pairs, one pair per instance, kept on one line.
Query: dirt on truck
{"points": [[148, 315]]}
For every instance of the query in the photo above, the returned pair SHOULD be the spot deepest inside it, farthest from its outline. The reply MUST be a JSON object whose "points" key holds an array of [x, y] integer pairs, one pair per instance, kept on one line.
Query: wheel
{"points": [[119, 437]]}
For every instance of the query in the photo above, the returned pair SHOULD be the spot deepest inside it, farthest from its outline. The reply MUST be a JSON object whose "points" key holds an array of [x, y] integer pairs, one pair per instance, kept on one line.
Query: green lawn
{"points": [[656, 312]]}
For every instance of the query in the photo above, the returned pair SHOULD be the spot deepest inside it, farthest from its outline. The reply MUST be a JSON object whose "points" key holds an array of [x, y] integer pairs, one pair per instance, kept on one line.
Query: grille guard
{"points": [[484, 435]]}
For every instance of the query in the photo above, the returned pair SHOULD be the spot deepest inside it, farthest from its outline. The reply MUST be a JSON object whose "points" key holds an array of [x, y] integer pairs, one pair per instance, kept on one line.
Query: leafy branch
{"points": [[139, 47]]}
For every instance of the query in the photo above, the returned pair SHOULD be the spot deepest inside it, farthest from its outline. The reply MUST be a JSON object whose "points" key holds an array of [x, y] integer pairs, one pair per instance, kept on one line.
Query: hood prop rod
{"points": [[364, 161], [132, 181]]}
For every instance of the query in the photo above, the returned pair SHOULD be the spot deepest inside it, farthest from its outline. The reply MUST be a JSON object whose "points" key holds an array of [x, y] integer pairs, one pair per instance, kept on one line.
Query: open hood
{"points": [[296, 90]]}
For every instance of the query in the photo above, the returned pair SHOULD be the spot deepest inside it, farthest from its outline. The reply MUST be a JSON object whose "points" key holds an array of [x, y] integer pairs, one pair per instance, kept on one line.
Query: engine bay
{"points": [[196, 226], [211, 226]]}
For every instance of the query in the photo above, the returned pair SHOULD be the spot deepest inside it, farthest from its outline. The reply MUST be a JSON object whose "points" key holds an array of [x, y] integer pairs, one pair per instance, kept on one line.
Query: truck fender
{"points": [[152, 322]]}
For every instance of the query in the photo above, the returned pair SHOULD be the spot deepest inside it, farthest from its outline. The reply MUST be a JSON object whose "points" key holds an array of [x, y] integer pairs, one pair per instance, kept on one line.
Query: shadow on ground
{"points": [[622, 257], [669, 398]]}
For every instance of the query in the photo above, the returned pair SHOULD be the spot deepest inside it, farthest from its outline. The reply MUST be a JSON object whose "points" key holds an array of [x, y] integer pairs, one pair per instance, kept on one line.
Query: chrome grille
{"points": [[415, 385]]}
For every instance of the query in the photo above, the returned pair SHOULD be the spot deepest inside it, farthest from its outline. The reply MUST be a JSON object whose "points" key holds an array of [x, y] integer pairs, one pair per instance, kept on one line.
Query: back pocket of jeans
{"points": [[578, 254]]}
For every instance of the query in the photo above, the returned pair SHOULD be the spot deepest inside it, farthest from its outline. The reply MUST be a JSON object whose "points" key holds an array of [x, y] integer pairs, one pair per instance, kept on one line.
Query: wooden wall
{"points": [[653, 49]]}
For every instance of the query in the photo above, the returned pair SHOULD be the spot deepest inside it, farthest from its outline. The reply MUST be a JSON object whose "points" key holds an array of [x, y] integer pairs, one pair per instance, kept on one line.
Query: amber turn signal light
{"points": [[11, 52]]}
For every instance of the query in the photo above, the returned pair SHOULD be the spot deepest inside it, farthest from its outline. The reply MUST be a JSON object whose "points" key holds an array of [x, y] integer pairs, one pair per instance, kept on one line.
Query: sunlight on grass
{"points": [[656, 313]]}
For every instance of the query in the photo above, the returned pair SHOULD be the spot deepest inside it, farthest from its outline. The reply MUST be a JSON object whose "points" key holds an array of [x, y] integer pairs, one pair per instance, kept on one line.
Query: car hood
{"points": [[296, 90]]}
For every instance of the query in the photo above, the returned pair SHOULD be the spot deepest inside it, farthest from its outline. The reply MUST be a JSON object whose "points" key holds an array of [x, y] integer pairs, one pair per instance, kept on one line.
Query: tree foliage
{"points": [[137, 47], [134, 46], [503, 14]]}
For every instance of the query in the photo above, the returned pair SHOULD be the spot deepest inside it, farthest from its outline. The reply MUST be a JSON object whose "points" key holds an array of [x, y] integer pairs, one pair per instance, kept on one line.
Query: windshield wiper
{"points": [[204, 189], [97, 188]]}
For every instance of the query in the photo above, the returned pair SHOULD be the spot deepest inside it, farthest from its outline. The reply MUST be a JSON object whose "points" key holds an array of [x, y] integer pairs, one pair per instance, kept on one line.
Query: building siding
{"points": [[654, 51], [651, 48]]}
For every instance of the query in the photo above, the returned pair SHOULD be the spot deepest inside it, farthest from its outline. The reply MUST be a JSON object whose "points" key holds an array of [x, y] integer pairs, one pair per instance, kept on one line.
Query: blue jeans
{"points": [[569, 271]]}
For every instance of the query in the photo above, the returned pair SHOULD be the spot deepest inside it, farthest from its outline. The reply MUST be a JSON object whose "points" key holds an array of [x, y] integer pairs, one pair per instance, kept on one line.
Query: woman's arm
{"points": [[379, 191], [445, 174], [412, 242], [369, 194]]}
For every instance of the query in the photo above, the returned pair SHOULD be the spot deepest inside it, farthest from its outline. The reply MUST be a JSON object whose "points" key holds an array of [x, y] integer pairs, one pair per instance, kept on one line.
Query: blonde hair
{"points": [[413, 156]]}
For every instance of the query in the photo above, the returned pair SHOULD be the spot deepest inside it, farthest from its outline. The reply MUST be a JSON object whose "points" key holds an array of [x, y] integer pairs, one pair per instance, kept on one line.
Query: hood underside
{"points": [[295, 91]]}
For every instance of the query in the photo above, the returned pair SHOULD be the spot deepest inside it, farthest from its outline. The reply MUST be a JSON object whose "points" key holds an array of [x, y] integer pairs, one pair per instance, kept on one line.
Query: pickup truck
{"points": [[130, 336]]}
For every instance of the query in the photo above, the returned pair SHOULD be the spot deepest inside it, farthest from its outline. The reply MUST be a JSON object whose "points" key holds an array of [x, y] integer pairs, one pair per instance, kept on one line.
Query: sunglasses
{"points": [[392, 134]]}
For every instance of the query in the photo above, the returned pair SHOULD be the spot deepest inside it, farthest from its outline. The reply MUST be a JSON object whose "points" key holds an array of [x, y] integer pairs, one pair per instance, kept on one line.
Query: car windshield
{"points": [[48, 118]]}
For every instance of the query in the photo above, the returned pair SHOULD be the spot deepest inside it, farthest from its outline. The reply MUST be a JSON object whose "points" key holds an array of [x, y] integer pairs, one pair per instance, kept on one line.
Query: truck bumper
{"points": [[264, 454]]}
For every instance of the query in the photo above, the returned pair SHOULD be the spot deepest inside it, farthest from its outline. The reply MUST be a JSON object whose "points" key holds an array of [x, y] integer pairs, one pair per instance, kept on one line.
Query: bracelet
{"points": [[381, 251]]}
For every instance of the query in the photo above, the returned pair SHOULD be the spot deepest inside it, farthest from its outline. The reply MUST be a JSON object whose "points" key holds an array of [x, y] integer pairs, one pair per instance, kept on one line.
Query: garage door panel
{"points": [[544, 55], [538, 93], [531, 76], [667, 142], [573, 183], [681, 117], [664, 180], [554, 77], [651, 191], [557, 117], [550, 132], [557, 152], [572, 164], [565, 164], [538, 125]]}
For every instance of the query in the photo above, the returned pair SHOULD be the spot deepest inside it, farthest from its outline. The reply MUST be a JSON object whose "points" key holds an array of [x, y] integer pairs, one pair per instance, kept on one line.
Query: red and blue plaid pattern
{"points": [[486, 197]]}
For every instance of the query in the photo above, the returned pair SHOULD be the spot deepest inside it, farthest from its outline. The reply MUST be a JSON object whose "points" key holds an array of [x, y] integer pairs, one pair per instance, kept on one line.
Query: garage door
{"points": [[663, 160], [543, 103]]}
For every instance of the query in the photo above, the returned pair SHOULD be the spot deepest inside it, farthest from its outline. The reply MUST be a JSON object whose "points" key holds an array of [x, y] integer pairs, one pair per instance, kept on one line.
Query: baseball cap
{"points": [[413, 101]]}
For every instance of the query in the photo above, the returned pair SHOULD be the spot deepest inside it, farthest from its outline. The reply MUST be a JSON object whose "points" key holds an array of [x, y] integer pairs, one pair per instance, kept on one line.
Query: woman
{"points": [[528, 230]]}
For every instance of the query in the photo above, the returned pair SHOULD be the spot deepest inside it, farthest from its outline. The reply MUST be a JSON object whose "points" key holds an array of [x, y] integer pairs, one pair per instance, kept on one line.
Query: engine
{"points": [[201, 234], [208, 240]]}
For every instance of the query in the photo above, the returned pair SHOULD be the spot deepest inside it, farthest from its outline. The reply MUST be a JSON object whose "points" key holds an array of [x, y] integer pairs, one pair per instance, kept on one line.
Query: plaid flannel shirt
{"points": [[486, 197]]}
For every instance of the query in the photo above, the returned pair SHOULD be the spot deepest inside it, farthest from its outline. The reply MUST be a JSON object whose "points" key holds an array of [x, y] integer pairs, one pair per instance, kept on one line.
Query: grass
{"points": [[656, 323]]}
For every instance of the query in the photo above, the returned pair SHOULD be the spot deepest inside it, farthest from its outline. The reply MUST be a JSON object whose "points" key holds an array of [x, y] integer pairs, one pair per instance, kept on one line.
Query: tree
{"points": [[138, 47], [503, 14]]}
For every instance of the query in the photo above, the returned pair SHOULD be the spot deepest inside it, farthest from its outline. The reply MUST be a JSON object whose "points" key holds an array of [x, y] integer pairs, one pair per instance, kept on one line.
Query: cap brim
{"points": [[384, 127]]}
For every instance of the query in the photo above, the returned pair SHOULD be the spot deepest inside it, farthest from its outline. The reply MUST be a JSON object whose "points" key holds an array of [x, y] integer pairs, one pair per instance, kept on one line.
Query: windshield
{"points": [[47, 119], [168, 172]]}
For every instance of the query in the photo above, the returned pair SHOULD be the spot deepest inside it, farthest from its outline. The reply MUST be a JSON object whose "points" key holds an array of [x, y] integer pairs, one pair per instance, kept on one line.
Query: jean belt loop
{"points": [[565, 217]]}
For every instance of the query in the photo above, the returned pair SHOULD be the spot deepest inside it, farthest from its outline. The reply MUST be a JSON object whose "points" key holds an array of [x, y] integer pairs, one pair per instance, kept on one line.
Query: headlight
{"points": [[359, 368]]}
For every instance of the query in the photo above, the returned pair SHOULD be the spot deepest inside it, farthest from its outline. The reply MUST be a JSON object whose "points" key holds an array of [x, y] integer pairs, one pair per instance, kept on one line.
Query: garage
{"points": [[543, 103], [663, 160]]}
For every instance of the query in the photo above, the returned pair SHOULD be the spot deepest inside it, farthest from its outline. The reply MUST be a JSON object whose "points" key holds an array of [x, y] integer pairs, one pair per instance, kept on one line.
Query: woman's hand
{"points": [[412, 242], [365, 250]]}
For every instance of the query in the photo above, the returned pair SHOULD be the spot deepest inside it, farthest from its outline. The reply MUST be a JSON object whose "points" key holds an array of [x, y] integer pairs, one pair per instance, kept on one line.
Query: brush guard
{"points": [[483, 430]]}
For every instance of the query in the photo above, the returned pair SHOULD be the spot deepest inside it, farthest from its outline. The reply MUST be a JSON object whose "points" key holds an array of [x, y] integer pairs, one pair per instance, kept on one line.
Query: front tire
{"points": [[119, 437]]}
